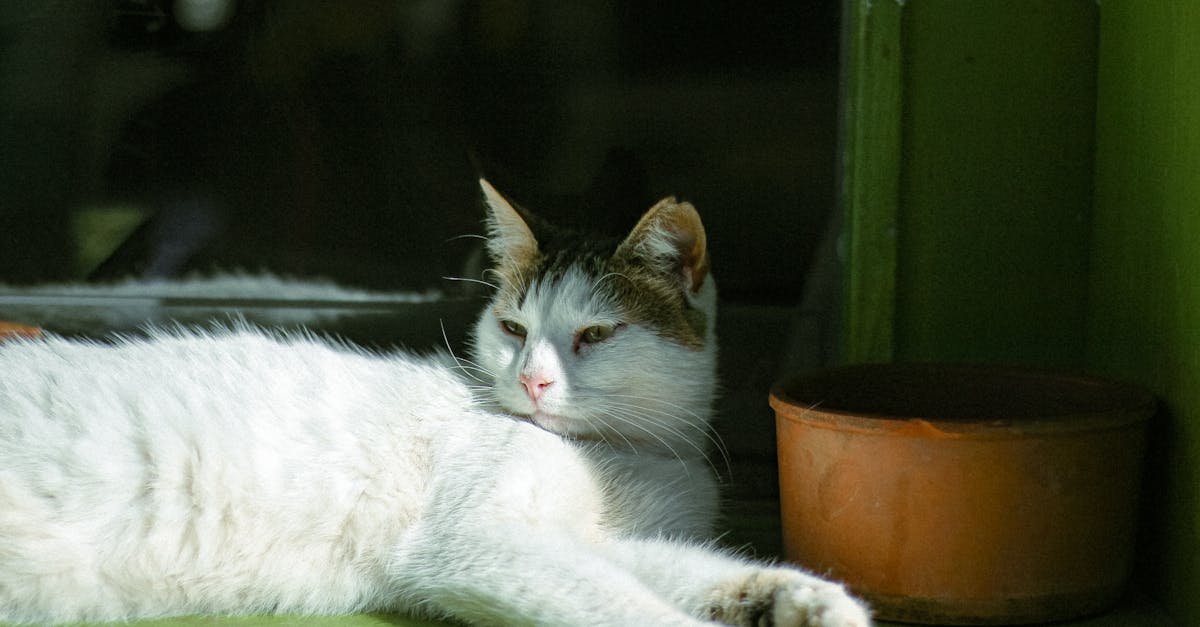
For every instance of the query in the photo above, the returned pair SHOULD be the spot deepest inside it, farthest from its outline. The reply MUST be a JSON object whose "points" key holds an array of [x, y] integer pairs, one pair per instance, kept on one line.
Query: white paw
{"points": [[786, 598], [824, 604]]}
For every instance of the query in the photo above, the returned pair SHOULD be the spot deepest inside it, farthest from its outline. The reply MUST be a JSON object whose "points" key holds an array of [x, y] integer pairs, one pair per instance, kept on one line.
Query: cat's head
{"points": [[602, 339]]}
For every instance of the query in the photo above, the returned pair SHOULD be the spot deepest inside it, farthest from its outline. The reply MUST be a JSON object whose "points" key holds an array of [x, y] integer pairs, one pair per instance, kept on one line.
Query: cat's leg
{"points": [[713, 585], [521, 575]]}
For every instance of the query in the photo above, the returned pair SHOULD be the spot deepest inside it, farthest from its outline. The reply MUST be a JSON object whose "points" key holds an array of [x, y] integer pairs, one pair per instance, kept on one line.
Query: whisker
{"points": [[481, 372], [474, 365], [696, 420], [634, 410], [654, 400], [595, 289], [703, 427], [459, 362], [465, 367], [467, 236], [611, 275], [636, 424], [604, 423], [633, 416], [467, 280]]}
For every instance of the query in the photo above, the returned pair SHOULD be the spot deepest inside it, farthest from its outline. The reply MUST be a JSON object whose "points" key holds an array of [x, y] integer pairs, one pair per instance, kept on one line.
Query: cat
{"points": [[560, 476]]}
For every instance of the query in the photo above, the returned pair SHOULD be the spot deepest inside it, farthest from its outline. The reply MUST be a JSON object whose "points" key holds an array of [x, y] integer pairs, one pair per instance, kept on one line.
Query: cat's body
{"points": [[236, 489], [560, 477]]}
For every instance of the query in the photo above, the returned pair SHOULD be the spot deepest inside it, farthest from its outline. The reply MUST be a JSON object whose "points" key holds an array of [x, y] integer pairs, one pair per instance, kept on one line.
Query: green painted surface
{"points": [[870, 176], [356, 620], [1144, 322], [995, 189]]}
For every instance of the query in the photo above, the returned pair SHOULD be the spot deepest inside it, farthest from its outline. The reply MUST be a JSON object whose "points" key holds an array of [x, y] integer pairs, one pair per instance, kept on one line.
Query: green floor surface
{"points": [[353, 620]]}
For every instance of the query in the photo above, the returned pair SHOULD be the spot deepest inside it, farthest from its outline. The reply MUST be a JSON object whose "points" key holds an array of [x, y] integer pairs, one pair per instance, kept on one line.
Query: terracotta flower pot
{"points": [[962, 495]]}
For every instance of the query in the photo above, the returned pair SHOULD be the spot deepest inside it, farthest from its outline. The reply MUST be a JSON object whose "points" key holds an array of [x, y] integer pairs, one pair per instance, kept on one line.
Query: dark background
{"points": [[343, 139]]}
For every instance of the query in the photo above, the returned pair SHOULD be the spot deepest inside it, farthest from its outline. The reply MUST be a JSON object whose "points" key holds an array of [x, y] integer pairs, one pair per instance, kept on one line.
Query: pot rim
{"points": [[1042, 402]]}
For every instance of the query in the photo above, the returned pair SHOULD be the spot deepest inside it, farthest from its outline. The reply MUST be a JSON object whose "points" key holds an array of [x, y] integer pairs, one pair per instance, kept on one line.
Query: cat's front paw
{"points": [[786, 598]]}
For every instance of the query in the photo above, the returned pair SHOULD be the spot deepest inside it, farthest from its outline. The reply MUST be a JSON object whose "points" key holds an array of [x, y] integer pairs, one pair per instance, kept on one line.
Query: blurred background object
{"points": [[158, 138]]}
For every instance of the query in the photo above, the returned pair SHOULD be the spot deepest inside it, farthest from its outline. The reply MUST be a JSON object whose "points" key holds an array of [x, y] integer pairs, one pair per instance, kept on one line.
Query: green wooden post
{"points": [[996, 184], [1144, 314], [966, 179], [871, 116]]}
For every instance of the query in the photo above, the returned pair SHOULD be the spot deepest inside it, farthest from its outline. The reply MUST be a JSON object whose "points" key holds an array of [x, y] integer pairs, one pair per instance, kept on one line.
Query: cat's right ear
{"points": [[670, 238], [509, 236]]}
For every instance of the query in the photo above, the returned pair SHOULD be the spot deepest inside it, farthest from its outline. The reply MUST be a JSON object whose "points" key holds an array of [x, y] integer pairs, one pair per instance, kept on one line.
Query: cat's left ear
{"points": [[509, 236], [670, 238]]}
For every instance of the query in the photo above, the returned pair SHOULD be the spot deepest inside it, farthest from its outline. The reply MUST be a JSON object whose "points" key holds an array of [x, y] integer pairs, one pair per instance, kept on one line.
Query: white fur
{"points": [[243, 472], [671, 400], [238, 473]]}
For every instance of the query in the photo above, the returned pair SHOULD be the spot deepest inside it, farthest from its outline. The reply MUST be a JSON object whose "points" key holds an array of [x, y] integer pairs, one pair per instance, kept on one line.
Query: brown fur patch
{"points": [[651, 299], [679, 223]]}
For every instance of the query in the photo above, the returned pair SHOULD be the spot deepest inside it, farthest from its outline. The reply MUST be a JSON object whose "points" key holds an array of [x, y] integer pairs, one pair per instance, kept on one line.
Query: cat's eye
{"points": [[596, 333], [514, 328]]}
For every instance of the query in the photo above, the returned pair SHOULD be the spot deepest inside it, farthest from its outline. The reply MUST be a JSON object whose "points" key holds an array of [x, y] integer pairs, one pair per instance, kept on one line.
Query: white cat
{"points": [[559, 478]]}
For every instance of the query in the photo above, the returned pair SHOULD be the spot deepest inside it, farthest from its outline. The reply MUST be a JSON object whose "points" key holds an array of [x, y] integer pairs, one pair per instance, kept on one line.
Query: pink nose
{"points": [[535, 384]]}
